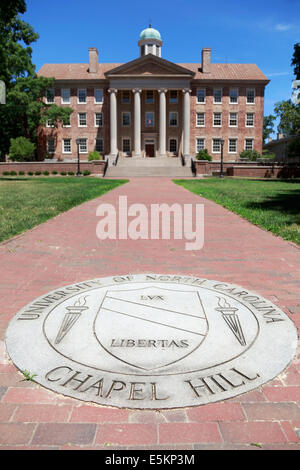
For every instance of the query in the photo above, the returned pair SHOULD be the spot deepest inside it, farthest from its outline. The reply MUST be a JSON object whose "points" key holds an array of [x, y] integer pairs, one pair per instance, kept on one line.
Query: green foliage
{"points": [[63, 173], [54, 172], [296, 60], [289, 115], [294, 148], [268, 127], [46, 173], [86, 172], [37, 172], [6, 173], [94, 156], [71, 173], [251, 155], [13, 173], [21, 173], [21, 149], [28, 376], [30, 173], [203, 155], [267, 155]]}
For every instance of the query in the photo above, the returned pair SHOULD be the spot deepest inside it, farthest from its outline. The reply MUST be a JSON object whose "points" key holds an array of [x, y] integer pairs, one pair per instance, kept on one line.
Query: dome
{"points": [[150, 33]]}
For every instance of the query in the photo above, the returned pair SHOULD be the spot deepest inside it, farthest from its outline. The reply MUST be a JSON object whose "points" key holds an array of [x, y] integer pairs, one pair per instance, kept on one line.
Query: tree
{"points": [[289, 115], [268, 128], [296, 60]]}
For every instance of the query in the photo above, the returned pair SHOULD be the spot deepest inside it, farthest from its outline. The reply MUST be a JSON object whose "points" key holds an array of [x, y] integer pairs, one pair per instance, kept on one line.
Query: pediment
{"points": [[150, 66]]}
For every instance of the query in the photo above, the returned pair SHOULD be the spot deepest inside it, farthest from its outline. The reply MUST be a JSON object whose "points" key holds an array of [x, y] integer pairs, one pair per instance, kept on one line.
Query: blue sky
{"points": [[261, 32]]}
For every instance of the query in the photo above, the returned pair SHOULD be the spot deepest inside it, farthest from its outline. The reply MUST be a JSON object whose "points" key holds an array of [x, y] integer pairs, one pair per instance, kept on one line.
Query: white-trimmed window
{"points": [[173, 145], [68, 123], [67, 146], [49, 123], [173, 119], [82, 120], [98, 119], [126, 118], [232, 145], [249, 119], [200, 119], [250, 95], [249, 144], [149, 119], [201, 95], [216, 145], [51, 144], [233, 119], [50, 95], [81, 95], [200, 143], [149, 96], [82, 145], [126, 145], [173, 97], [65, 95], [99, 145], [217, 95], [233, 95], [217, 120], [98, 95], [125, 96]]}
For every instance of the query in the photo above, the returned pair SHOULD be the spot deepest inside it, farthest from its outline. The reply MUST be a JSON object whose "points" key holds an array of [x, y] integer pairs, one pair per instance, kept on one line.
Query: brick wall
{"points": [[95, 167]]}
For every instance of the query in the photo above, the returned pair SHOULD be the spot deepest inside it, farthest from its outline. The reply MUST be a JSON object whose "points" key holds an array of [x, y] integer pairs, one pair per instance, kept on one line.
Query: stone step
{"points": [[149, 162], [126, 172]]}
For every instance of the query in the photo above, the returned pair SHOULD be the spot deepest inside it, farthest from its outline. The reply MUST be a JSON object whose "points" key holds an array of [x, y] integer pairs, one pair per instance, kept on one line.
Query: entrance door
{"points": [[149, 149]]}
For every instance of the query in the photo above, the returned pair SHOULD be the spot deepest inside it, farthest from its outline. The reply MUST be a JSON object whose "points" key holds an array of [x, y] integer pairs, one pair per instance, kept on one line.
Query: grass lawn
{"points": [[27, 202], [271, 204]]}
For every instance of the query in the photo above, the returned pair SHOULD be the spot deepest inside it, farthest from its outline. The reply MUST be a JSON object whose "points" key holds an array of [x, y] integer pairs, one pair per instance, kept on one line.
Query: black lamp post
{"points": [[222, 145], [78, 158]]}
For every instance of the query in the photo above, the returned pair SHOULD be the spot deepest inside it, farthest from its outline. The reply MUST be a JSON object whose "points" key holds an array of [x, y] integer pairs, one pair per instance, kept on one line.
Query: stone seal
{"points": [[151, 341]]}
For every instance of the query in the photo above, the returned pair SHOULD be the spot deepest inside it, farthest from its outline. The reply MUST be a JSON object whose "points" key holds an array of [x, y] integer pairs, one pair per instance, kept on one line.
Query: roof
{"points": [[150, 33], [245, 72]]}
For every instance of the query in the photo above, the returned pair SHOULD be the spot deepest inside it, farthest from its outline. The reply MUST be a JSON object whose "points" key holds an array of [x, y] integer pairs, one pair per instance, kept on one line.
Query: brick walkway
{"points": [[65, 250]]}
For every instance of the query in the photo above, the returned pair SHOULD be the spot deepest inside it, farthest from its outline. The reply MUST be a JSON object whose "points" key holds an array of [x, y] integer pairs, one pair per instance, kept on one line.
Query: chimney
{"points": [[93, 60], [206, 60]]}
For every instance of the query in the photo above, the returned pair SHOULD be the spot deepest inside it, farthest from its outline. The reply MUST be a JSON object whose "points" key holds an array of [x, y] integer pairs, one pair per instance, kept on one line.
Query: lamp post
{"points": [[78, 158], [222, 145]]}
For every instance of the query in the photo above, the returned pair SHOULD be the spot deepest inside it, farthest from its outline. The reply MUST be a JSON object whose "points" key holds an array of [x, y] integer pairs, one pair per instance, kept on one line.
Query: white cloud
{"points": [[283, 27], [277, 74]]}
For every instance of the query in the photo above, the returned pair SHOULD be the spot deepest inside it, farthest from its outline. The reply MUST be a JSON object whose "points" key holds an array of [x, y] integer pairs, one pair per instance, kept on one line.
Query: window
{"points": [[149, 96], [67, 123], [249, 119], [143, 50], [126, 119], [98, 119], [173, 119], [67, 146], [81, 95], [216, 145], [232, 145], [173, 96], [98, 95], [201, 95], [150, 48], [200, 119], [65, 95], [51, 145], [49, 123], [200, 144], [82, 145], [126, 96], [217, 95], [233, 95], [248, 144], [233, 119], [250, 96], [157, 50], [149, 119], [126, 145], [50, 95], [82, 119], [217, 119], [99, 145], [173, 145]]}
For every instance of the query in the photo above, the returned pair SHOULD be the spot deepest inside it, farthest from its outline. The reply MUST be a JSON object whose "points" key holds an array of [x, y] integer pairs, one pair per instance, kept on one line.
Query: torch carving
{"points": [[232, 319], [74, 313]]}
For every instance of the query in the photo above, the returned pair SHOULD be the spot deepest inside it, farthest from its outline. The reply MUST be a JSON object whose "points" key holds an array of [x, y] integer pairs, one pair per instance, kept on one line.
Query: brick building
{"points": [[151, 107]]}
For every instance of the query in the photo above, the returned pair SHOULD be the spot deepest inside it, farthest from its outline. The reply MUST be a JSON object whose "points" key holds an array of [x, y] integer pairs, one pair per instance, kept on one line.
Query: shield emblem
{"points": [[151, 327]]}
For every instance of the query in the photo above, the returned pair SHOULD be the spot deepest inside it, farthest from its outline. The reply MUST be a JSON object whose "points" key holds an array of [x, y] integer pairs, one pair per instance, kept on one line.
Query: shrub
{"points": [[54, 172], [203, 155], [21, 149], [63, 173], [95, 156], [6, 173], [86, 172], [46, 173], [70, 173], [38, 172], [267, 155], [13, 173], [294, 148], [30, 173], [21, 173], [251, 155]]}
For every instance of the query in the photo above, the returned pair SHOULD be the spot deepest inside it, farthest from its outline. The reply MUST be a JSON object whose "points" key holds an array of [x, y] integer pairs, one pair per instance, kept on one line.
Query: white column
{"points": [[186, 121], [113, 122], [162, 122], [137, 122]]}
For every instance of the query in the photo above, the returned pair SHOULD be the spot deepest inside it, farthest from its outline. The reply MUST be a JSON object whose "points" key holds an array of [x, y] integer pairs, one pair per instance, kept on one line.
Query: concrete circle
{"points": [[151, 341]]}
